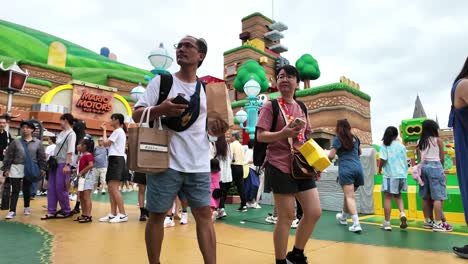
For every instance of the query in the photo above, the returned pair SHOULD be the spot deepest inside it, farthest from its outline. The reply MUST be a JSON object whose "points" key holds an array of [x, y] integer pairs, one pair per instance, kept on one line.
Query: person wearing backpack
{"points": [[189, 148], [24, 152], [273, 129]]}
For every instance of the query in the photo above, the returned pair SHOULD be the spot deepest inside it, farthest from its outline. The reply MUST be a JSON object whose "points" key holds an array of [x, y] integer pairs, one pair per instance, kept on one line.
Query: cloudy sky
{"points": [[394, 49]]}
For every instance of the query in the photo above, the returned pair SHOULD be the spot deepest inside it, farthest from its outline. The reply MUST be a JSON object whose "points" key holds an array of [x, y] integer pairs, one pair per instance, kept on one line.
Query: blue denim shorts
{"points": [[162, 189], [432, 174], [394, 186]]}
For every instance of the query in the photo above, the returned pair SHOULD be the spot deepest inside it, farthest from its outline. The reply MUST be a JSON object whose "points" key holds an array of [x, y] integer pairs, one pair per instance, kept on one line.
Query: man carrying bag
{"points": [[185, 117]]}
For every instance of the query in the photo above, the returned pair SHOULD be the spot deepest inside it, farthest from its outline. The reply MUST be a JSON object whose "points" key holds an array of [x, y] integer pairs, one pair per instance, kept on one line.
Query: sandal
{"points": [[79, 218], [85, 219], [49, 216], [63, 215]]}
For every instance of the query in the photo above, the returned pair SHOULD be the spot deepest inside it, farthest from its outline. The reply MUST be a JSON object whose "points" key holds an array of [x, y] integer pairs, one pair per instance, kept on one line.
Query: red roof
{"points": [[210, 79]]}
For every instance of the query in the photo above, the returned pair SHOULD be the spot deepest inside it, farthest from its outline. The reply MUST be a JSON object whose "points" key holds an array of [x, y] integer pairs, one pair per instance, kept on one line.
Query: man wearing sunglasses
{"points": [[189, 166]]}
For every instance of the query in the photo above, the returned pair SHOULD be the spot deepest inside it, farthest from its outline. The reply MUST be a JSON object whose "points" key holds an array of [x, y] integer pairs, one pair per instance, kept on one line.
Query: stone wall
{"points": [[55, 77], [35, 90], [257, 26], [22, 102], [124, 87]]}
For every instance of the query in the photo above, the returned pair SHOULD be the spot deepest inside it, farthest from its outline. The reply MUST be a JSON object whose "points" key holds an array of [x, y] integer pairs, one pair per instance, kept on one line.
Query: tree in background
{"points": [[246, 71], [308, 69]]}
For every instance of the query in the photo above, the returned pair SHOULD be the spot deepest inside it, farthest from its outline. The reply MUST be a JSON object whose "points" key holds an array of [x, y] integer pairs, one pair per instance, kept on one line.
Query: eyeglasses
{"points": [[287, 77], [186, 45]]}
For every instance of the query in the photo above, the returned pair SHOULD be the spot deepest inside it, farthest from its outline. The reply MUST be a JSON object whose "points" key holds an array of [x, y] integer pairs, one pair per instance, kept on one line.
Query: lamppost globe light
{"points": [[252, 88], [137, 92], [241, 116], [160, 58]]}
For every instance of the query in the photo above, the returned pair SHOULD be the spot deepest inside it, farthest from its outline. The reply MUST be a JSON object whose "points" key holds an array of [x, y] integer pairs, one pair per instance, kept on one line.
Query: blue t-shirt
{"points": [[346, 154], [397, 165], [100, 157]]}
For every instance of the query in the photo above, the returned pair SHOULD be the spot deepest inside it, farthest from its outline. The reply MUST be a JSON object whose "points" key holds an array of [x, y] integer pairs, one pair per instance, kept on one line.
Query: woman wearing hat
{"points": [[13, 165]]}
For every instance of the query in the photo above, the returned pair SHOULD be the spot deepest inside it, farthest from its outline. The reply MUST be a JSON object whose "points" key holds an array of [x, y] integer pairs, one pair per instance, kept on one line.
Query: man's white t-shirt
{"points": [[119, 139], [189, 149]]}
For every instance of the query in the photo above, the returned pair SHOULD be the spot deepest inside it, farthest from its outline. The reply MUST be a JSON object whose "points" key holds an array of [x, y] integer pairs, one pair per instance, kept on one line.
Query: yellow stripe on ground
{"points": [[416, 228]]}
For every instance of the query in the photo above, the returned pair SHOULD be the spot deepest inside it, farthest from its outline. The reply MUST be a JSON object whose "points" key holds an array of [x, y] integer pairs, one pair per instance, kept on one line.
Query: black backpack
{"points": [[260, 148]]}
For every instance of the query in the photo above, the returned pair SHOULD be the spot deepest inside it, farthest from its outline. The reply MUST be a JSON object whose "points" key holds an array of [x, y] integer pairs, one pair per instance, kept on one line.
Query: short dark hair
{"points": [[53, 139], [118, 116], [69, 118], [290, 70], [202, 47], [236, 135], [89, 144]]}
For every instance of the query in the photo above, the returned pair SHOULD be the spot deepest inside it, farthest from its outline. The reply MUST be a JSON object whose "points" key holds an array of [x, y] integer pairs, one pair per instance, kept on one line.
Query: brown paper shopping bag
{"points": [[148, 148], [218, 103]]}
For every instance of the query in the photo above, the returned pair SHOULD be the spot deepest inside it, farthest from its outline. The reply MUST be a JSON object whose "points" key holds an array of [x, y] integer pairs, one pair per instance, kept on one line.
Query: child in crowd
{"points": [[393, 160], [85, 179], [215, 177], [431, 152]]}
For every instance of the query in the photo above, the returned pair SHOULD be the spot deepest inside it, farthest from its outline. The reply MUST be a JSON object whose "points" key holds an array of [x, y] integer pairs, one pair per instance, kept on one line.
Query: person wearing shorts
{"points": [[189, 148], [278, 175], [100, 166], [393, 161], [350, 174], [116, 168]]}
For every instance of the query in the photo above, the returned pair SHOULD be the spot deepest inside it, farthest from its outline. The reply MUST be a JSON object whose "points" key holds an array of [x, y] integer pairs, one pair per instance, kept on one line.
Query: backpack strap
{"points": [[276, 108], [303, 107], [164, 87]]}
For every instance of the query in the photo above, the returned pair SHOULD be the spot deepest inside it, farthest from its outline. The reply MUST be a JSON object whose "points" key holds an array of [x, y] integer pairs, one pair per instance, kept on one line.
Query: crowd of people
{"points": [[203, 166]]}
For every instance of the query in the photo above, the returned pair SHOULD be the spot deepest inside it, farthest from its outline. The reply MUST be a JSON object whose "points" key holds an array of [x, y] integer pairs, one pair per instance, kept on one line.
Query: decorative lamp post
{"points": [[12, 80], [160, 59], [137, 92], [252, 89]]}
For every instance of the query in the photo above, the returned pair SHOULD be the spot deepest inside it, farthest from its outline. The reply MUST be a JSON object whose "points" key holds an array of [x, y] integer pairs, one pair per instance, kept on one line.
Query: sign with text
{"points": [[92, 103]]}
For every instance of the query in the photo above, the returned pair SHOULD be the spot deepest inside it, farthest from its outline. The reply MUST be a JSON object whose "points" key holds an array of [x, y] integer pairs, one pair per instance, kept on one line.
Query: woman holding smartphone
{"points": [[278, 168]]}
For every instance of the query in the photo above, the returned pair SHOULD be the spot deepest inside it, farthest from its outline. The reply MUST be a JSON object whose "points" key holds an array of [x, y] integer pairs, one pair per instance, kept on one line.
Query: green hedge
{"points": [[129, 79], [129, 99], [313, 91], [249, 47], [257, 14], [44, 66], [39, 82]]}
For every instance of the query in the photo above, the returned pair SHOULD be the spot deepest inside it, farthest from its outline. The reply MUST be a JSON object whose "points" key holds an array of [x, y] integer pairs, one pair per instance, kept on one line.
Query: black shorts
{"points": [[116, 169], [139, 178], [282, 183]]}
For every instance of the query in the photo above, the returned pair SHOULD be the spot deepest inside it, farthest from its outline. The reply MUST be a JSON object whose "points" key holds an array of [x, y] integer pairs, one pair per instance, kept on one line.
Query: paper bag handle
{"points": [[147, 112]]}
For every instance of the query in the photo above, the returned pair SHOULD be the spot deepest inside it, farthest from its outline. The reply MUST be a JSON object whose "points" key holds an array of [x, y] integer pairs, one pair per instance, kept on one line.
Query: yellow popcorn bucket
{"points": [[315, 155]]}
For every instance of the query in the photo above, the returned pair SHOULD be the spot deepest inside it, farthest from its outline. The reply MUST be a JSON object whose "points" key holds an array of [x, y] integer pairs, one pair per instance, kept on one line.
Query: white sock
{"points": [[355, 219], [402, 214]]}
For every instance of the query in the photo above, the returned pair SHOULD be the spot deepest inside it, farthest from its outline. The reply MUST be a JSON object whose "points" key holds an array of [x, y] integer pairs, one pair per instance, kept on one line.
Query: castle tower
{"points": [[261, 41]]}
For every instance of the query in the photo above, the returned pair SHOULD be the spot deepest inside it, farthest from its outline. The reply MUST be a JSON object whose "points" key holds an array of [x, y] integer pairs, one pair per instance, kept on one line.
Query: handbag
{"points": [[52, 162], [6, 195], [32, 172], [148, 148], [300, 168]]}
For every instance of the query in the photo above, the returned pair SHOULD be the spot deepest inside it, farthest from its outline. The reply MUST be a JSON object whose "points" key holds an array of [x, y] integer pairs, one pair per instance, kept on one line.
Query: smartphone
{"points": [[298, 122], [180, 100]]}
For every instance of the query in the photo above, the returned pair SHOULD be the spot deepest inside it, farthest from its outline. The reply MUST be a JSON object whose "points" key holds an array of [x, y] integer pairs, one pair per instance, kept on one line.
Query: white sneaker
{"points": [[214, 216], [169, 222], [120, 218], [96, 191], [386, 226], [271, 219], [355, 228], [107, 218], [221, 213], [27, 211], [257, 206], [184, 218], [10, 215], [341, 218], [73, 197], [295, 223]]}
